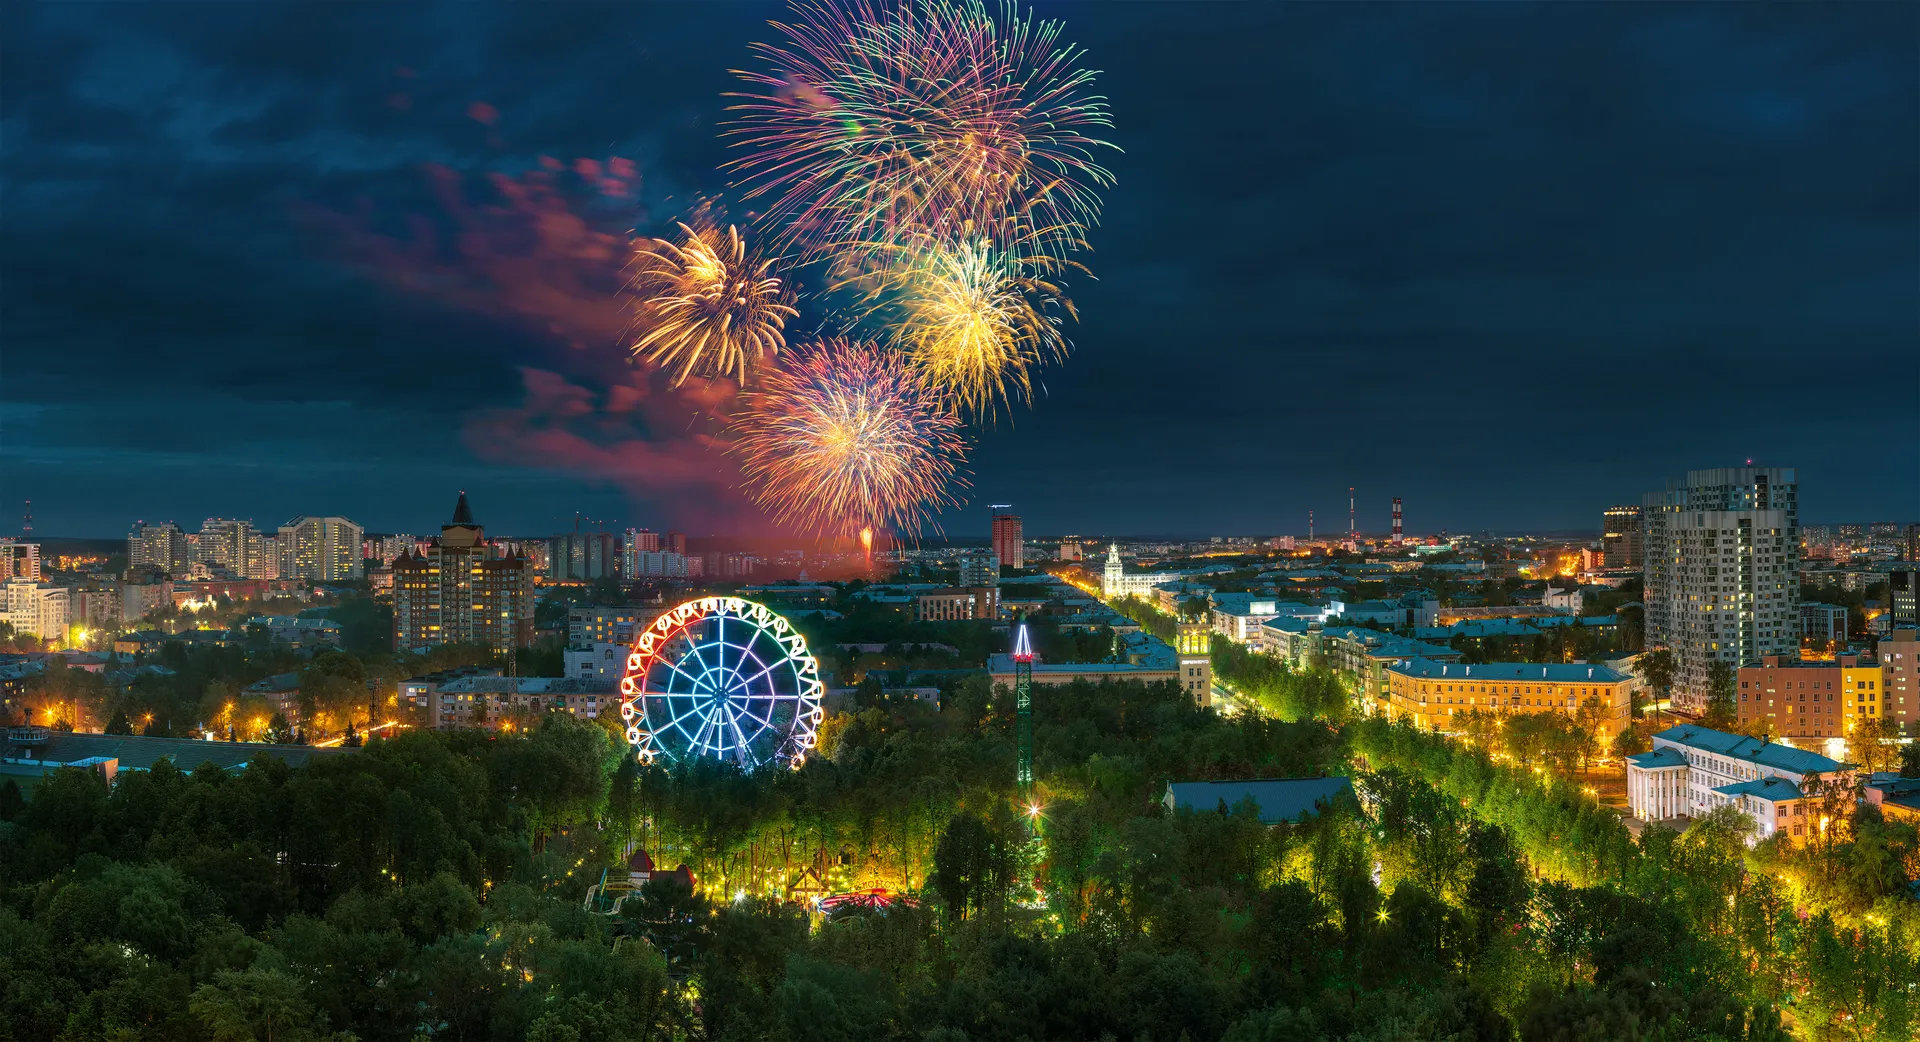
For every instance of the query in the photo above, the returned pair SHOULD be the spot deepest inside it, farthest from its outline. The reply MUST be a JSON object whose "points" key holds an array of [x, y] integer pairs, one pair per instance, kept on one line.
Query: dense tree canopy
{"points": [[435, 885]]}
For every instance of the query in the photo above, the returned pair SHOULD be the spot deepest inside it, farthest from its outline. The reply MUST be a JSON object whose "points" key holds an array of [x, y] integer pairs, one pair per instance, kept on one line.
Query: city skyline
{"points": [[990, 519], [1642, 220], [978, 532]]}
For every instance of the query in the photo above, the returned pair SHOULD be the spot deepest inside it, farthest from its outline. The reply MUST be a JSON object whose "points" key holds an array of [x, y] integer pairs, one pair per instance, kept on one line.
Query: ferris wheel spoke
{"points": [[698, 683], [675, 722], [764, 722], [707, 727], [716, 688], [775, 664], [741, 753]]}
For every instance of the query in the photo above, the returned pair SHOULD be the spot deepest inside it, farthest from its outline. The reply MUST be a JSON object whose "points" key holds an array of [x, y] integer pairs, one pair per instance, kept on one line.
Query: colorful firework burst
{"points": [[706, 306], [873, 122], [975, 319], [843, 438]]}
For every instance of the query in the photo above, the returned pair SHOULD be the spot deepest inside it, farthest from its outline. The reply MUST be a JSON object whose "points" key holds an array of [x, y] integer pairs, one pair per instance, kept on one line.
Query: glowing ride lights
{"points": [[722, 678]]}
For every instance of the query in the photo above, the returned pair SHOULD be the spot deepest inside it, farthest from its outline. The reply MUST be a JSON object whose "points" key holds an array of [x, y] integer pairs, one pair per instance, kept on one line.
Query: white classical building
{"points": [[1692, 770], [1117, 583]]}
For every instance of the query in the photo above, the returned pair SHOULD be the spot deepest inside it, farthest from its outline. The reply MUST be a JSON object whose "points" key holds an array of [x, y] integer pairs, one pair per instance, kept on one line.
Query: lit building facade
{"points": [[1193, 641], [38, 609], [1692, 770], [581, 557], [1238, 617], [1621, 538], [320, 549], [1433, 694], [1810, 699], [982, 602], [1903, 609], [158, 548], [1899, 653], [1367, 655], [978, 568], [459, 592], [1007, 543], [19, 560], [223, 543], [600, 623], [1722, 572], [497, 703], [1116, 582], [1826, 623]]}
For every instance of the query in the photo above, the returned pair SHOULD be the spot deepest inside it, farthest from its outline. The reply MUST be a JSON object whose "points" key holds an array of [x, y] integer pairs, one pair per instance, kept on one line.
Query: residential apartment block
{"points": [[1899, 654], [1432, 694], [1722, 571], [19, 560], [321, 549], [1008, 545], [460, 592], [1621, 538], [1802, 699]]}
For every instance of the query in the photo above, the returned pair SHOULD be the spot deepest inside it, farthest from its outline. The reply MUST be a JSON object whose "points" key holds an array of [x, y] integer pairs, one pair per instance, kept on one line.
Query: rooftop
{"points": [[1278, 799], [137, 753], [1003, 663], [1765, 788], [1753, 750], [1564, 673], [1662, 757]]}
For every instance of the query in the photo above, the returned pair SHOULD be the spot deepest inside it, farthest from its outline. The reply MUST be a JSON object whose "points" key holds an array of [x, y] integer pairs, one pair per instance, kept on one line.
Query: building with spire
{"points": [[462, 590], [1116, 582]]}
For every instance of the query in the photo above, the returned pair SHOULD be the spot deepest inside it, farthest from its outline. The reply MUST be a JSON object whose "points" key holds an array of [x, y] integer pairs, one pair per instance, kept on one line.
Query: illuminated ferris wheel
{"points": [[722, 678]]}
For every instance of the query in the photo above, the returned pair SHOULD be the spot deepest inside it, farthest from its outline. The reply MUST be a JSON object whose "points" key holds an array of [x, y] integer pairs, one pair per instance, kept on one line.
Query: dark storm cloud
{"points": [[1511, 262]]}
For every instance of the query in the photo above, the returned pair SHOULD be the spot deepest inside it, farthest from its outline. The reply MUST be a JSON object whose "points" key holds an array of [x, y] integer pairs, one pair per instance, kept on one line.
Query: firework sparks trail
{"points": [[707, 306], [869, 122], [974, 318], [844, 438]]}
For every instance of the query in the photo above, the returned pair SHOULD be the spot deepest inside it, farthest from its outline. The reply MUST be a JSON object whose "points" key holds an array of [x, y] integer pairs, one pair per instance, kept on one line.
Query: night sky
{"points": [[1510, 262]]}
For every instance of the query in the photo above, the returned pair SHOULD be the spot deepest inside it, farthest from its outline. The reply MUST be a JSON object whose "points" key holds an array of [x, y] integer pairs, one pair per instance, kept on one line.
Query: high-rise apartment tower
{"points": [[1621, 537], [462, 592], [1007, 544], [1722, 571]]}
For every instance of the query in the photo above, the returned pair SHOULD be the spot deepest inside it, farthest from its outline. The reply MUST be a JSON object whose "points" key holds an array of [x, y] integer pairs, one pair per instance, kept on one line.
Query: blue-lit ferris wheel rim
{"points": [[722, 678]]}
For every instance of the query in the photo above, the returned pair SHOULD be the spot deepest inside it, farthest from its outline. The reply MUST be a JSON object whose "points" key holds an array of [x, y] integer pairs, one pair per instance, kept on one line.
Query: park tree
{"points": [[1873, 744], [1722, 712], [1589, 720], [1656, 671], [333, 687]]}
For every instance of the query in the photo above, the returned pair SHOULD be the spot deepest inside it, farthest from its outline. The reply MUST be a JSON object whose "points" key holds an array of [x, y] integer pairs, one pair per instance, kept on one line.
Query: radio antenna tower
{"points": [[26, 522], [1349, 511]]}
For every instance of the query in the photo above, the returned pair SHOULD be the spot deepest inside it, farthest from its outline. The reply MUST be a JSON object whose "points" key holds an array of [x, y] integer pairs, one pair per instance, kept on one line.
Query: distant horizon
{"points": [[968, 540]]}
